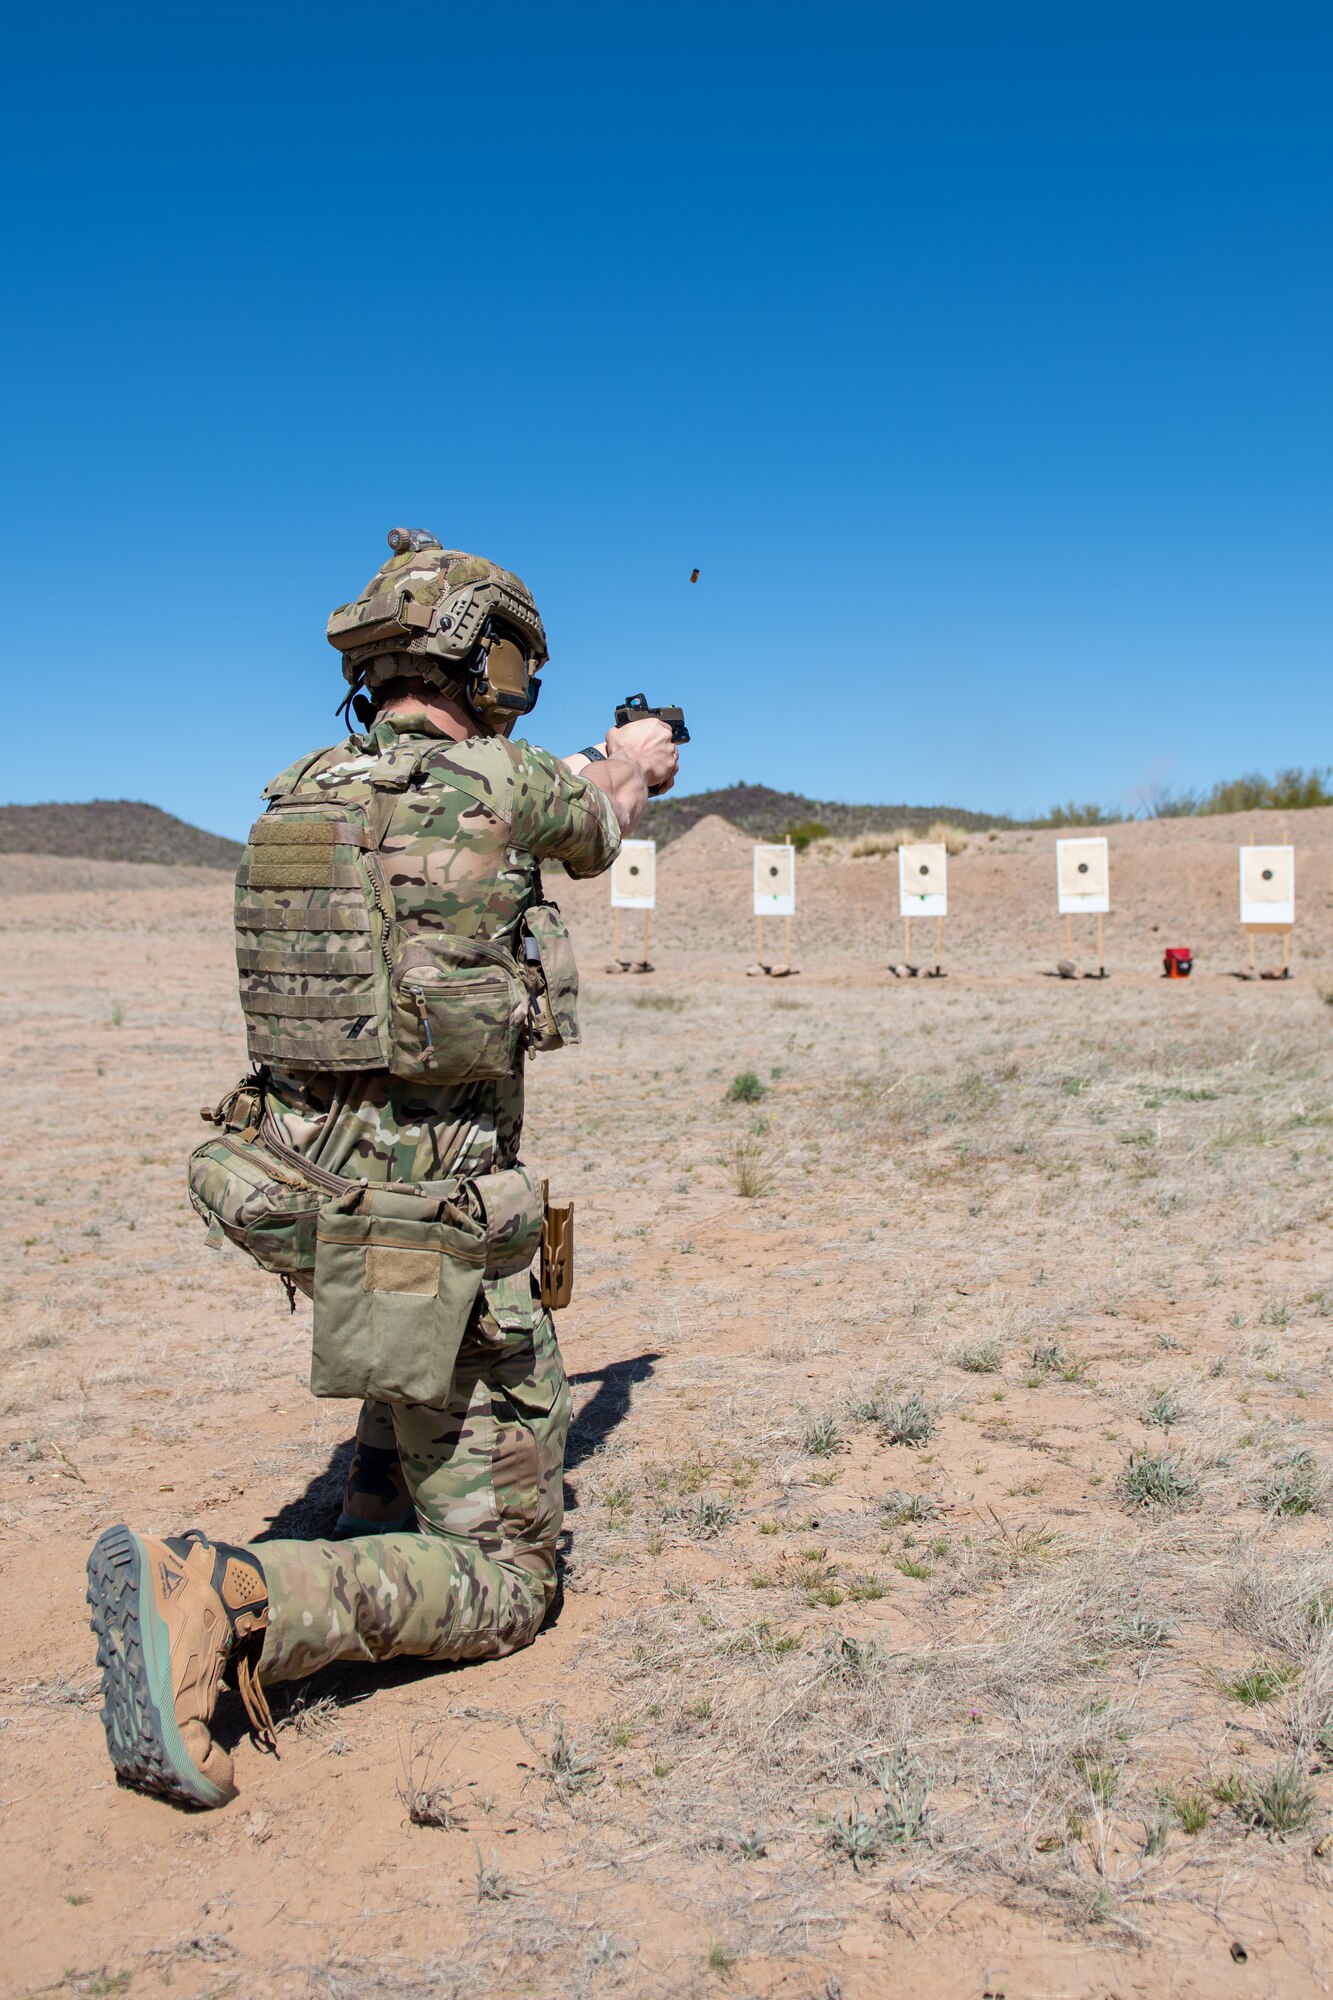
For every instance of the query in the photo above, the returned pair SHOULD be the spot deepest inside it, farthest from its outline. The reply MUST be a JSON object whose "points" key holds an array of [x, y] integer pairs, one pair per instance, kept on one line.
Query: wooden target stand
{"points": [[762, 967], [909, 971], [1068, 959], [633, 889], [761, 964], [1083, 889], [619, 962], [1254, 931], [1275, 858], [923, 893]]}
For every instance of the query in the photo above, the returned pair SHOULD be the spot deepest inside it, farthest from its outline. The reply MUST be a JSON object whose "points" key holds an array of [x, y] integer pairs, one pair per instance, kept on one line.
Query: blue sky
{"points": [[978, 357]]}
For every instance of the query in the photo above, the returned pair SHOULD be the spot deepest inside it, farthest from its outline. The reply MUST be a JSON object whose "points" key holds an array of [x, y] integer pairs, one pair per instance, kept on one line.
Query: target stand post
{"points": [[923, 891], [633, 887], [1268, 903], [774, 896], [1083, 888]]}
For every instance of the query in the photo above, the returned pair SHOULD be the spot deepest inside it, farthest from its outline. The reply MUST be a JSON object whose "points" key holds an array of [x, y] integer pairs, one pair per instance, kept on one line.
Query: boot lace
{"points": [[254, 1700]]}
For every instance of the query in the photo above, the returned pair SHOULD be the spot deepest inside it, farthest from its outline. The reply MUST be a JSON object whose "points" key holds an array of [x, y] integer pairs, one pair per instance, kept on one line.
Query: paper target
{"points": [[1268, 885], [774, 881], [923, 880], [1083, 876], [634, 876]]}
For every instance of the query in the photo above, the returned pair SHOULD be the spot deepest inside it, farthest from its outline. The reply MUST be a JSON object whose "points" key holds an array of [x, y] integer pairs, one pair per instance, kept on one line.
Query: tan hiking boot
{"points": [[170, 1616]]}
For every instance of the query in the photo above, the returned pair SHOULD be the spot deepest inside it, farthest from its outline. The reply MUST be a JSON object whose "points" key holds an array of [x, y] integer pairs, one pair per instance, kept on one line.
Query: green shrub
{"points": [[1288, 791], [807, 831], [746, 1088], [1072, 814]]}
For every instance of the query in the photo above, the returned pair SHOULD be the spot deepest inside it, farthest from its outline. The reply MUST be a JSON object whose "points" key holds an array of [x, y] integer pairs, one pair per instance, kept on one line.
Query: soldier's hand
{"points": [[648, 743]]}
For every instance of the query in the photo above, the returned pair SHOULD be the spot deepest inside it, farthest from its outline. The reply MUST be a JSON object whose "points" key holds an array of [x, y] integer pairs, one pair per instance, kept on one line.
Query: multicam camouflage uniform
{"points": [[484, 1471]]}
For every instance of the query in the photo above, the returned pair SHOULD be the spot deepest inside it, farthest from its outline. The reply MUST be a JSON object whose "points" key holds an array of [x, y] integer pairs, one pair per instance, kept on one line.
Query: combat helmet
{"points": [[455, 621]]}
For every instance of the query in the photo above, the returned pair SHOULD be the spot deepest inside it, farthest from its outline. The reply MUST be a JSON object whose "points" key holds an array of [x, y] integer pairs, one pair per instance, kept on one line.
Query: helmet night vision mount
{"points": [[455, 621]]}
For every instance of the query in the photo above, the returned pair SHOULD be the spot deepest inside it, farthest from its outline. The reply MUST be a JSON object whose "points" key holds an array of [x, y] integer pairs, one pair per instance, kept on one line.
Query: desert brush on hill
{"points": [[767, 815], [113, 830]]}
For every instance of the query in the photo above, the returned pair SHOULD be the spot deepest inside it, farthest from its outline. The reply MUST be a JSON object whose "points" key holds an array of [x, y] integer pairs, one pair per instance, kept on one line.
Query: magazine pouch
{"points": [[552, 978]]}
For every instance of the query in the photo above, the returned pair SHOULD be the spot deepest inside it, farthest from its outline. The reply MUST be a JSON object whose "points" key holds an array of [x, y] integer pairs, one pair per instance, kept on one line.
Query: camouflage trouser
{"points": [[485, 1473]]}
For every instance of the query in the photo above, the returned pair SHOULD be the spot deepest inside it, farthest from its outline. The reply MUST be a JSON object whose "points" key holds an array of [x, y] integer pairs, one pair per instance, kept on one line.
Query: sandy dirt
{"points": [[948, 1605]]}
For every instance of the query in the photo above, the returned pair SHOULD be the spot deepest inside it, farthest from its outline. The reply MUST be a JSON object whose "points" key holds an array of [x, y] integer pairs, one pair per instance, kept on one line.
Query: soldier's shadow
{"points": [[608, 1406], [312, 1514]]}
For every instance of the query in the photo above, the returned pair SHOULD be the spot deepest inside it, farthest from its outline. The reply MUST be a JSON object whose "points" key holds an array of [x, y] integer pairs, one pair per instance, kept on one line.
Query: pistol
{"points": [[634, 708]]}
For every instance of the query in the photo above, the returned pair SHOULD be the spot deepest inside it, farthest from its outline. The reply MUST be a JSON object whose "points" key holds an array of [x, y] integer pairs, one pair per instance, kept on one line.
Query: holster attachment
{"points": [[557, 1265]]}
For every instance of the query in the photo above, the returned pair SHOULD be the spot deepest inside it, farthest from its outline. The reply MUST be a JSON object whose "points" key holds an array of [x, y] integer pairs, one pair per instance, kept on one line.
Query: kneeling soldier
{"points": [[398, 959]]}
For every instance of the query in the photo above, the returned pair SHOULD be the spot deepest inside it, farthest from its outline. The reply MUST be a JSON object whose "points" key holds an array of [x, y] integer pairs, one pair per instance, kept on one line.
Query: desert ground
{"points": [[947, 1596]]}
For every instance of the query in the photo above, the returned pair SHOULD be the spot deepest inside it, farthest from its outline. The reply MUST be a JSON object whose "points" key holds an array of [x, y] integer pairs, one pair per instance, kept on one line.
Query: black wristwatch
{"points": [[593, 756]]}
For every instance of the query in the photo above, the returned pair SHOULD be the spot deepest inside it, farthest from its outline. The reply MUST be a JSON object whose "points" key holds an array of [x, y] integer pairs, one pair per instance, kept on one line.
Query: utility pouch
{"points": [[511, 1207], [250, 1199], [397, 1275], [457, 1010], [552, 977], [557, 1267]]}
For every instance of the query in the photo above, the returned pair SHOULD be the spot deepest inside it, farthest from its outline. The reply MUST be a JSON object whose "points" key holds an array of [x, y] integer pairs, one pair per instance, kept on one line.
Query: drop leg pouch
{"points": [[397, 1275]]}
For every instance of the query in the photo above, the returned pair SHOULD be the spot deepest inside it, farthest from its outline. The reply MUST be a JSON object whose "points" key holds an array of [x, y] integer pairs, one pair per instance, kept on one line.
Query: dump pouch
{"points": [[397, 1275], [250, 1199], [552, 977]]}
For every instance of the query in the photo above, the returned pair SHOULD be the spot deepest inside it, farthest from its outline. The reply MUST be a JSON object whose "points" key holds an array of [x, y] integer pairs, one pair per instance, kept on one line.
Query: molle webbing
{"points": [[311, 935], [257, 958], [339, 915]]}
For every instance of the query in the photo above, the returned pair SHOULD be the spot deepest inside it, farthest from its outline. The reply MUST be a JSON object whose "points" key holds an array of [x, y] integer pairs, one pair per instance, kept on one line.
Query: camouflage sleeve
{"points": [[560, 817]]}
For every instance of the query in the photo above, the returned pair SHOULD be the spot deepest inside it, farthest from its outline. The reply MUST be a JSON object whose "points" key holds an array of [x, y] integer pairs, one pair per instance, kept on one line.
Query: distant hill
{"points": [[766, 814], [127, 830], [113, 830]]}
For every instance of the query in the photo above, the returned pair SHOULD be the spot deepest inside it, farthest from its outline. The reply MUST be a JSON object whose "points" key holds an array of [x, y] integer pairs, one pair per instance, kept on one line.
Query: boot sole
{"points": [[134, 1653], [348, 1526]]}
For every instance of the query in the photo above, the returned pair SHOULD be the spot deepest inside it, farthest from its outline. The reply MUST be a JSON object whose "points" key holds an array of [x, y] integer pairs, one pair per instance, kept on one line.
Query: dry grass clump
{"points": [[877, 846], [981, 1357], [1296, 1486], [1280, 1802], [748, 1170], [898, 1507], [895, 1819], [1157, 1479], [911, 1421], [428, 1799]]}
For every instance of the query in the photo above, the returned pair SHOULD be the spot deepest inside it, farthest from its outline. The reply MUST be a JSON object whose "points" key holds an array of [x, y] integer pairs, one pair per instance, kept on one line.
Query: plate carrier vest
{"points": [[328, 979]]}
